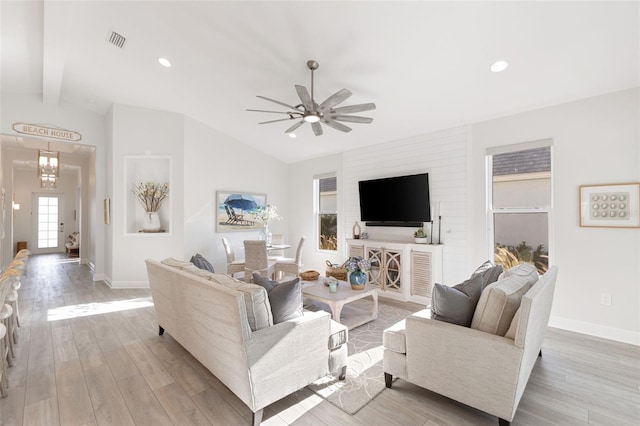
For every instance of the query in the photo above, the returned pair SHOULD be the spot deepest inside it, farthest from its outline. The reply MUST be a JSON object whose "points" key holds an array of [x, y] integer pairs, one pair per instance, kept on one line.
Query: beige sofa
{"points": [[227, 325], [484, 370]]}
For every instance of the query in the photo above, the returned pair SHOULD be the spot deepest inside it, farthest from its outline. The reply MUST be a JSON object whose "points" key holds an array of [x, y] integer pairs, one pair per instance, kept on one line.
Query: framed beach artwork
{"points": [[234, 211], [610, 206]]}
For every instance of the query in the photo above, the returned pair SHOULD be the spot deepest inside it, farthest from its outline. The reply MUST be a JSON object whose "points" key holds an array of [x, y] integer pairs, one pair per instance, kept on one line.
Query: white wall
{"points": [[135, 132], [217, 162], [444, 156], [596, 141], [300, 207]]}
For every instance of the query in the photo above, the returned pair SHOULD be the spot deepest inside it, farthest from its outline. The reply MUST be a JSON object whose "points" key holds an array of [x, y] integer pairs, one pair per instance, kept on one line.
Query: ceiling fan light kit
{"points": [[308, 111]]}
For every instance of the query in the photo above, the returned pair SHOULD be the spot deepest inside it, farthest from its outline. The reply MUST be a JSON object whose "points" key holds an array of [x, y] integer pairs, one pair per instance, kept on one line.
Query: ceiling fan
{"points": [[311, 112]]}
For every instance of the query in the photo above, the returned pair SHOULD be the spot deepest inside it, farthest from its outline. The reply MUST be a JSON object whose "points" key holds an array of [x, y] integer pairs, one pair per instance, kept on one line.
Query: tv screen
{"points": [[395, 201]]}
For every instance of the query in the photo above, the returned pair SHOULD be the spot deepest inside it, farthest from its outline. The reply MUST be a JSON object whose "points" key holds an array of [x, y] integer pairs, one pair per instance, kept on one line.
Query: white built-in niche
{"points": [[146, 168]]}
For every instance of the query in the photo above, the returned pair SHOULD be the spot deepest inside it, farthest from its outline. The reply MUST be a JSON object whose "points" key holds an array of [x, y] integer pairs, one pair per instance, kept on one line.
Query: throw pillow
{"points": [[456, 304], [489, 272], [500, 301], [513, 328], [201, 262], [285, 298]]}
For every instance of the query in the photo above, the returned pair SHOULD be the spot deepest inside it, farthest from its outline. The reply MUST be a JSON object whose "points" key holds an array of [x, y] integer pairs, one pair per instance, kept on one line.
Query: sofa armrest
{"points": [[477, 368], [288, 356]]}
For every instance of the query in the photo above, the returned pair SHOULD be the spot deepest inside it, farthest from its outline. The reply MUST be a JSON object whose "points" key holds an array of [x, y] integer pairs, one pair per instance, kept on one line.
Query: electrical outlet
{"points": [[605, 299]]}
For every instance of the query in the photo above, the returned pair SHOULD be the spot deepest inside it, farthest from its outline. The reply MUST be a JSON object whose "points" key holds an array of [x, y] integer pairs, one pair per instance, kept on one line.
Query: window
{"points": [[47, 222], [520, 204], [327, 212]]}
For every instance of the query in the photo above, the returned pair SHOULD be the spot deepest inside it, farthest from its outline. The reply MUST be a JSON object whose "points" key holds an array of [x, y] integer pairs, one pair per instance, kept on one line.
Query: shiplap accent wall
{"points": [[444, 156]]}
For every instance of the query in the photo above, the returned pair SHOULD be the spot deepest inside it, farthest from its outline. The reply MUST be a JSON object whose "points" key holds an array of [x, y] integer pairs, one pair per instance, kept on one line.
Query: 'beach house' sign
{"points": [[47, 132]]}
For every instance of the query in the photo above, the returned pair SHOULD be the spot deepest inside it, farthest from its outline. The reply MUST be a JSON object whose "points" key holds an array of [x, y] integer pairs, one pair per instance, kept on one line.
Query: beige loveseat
{"points": [[481, 369], [227, 325]]}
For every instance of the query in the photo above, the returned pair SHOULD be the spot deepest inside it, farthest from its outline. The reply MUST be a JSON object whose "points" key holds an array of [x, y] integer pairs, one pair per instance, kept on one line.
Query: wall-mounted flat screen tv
{"points": [[395, 201]]}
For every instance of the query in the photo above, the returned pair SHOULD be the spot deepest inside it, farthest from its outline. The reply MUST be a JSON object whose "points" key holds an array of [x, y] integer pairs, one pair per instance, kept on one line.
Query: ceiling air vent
{"points": [[116, 39]]}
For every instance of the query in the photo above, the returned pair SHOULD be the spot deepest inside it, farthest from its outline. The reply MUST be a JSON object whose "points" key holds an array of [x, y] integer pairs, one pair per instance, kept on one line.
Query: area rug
{"points": [[365, 377]]}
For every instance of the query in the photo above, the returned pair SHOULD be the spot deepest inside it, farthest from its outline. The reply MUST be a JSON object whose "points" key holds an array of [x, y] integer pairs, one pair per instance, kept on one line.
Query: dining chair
{"points": [[276, 254], [7, 319], [233, 266], [3, 365], [256, 260], [290, 265]]}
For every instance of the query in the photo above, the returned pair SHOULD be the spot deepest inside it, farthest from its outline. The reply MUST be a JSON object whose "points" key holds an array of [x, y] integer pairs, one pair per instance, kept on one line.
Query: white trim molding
{"points": [[597, 330], [128, 284]]}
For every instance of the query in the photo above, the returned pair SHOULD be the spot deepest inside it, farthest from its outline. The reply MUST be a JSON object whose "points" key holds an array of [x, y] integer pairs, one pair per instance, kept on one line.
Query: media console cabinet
{"points": [[401, 271]]}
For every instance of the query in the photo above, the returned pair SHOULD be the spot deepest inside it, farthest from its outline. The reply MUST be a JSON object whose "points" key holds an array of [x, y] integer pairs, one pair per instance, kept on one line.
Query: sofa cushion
{"points": [[513, 328], [180, 264], [500, 300], [523, 270], [395, 337], [490, 273], [202, 263], [456, 304], [285, 298]]}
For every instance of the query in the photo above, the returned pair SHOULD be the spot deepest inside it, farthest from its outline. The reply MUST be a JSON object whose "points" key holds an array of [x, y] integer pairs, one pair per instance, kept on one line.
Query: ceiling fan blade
{"points": [[352, 118], [277, 102], [335, 99], [275, 112], [294, 127], [275, 121], [317, 128], [336, 125], [353, 108], [303, 94]]}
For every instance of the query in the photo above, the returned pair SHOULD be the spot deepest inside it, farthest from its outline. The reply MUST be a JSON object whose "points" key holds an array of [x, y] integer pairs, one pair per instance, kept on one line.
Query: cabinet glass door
{"points": [[375, 256], [393, 269]]}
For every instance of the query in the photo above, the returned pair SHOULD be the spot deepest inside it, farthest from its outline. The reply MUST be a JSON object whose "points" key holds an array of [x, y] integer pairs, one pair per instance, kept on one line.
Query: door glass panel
{"points": [[47, 222]]}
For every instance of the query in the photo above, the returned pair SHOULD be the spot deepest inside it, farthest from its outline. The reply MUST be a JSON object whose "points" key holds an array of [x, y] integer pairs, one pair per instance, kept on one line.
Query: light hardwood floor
{"points": [[76, 366]]}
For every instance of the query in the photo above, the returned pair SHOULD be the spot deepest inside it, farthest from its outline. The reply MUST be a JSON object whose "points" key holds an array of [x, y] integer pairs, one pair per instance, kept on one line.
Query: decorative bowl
{"points": [[309, 275]]}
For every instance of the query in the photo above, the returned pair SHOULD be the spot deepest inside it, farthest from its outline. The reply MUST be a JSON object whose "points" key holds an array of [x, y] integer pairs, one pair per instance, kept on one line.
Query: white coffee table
{"points": [[352, 317]]}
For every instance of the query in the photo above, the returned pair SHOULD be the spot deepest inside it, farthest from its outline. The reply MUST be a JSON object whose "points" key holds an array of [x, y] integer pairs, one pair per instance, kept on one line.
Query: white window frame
{"points": [[317, 212], [544, 143]]}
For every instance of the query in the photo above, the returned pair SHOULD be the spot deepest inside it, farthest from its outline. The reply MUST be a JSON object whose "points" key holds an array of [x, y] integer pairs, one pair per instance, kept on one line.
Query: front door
{"points": [[47, 222]]}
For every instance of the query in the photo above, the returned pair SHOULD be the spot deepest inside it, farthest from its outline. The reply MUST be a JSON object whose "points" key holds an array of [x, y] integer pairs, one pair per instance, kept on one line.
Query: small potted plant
{"points": [[420, 236]]}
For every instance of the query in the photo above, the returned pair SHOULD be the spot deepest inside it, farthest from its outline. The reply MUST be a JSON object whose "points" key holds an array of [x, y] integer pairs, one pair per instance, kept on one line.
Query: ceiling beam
{"points": [[56, 29]]}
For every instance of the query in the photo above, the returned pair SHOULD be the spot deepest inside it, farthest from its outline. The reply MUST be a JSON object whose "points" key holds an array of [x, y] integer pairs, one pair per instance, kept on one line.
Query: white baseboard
{"points": [[99, 277], [129, 284], [597, 330]]}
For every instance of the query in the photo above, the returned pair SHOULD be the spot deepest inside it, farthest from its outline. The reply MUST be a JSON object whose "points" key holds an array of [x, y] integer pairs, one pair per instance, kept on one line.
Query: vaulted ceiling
{"points": [[424, 64]]}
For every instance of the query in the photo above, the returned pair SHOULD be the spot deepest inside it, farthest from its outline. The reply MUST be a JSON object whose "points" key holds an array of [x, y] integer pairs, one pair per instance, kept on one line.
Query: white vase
{"points": [[151, 222]]}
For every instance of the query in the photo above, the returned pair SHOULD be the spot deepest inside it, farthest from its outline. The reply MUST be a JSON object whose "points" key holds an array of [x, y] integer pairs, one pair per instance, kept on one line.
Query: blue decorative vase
{"points": [[358, 279]]}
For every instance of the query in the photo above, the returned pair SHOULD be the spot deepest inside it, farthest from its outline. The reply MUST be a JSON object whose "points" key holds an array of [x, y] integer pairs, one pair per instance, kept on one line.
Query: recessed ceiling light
{"points": [[292, 135], [499, 66], [164, 62]]}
